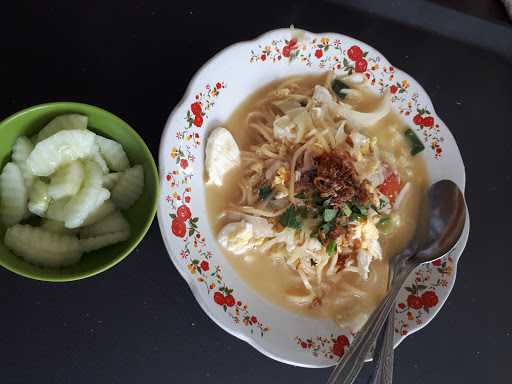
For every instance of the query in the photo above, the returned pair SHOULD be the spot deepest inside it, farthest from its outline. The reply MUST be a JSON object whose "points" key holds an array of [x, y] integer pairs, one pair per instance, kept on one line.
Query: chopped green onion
{"points": [[338, 86], [386, 225], [356, 216], [303, 211], [385, 220], [345, 210], [363, 210], [300, 195], [326, 227], [331, 247], [317, 199], [264, 192], [290, 219], [359, 210], [330, 214], [416, 144]]}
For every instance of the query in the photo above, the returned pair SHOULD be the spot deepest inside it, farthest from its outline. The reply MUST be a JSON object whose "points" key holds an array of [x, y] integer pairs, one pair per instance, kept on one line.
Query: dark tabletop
{"points": [[138, 322]]}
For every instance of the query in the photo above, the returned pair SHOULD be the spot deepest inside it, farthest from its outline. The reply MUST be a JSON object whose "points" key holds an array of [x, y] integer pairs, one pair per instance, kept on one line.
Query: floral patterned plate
{"points": [[214, 92]]}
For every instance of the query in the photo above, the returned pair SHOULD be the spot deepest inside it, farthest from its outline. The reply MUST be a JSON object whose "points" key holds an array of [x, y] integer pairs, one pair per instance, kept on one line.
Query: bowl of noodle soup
{"points": [[292, 170]]}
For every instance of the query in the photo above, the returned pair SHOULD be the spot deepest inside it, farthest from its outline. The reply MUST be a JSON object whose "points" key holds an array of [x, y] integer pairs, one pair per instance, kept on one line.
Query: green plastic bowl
{"points": [[140, 215]]}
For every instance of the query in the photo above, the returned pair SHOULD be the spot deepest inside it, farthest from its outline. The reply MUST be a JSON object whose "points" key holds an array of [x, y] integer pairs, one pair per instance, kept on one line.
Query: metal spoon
{"points": [[383, 356], [436, 236]]}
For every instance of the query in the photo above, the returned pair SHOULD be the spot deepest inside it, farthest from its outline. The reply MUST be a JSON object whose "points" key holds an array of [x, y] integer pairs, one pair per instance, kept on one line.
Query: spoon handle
{"points": [[384, 354], [350, 365]]}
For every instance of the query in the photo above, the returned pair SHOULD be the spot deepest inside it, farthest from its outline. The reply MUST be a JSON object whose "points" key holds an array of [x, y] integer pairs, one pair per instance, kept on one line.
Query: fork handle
{"points": [[384, 354], [350, 365]]}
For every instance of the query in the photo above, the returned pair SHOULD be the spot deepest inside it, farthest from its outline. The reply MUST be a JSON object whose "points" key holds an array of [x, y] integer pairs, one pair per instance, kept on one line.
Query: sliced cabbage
{"points": [[284, 129], [322, 95], [286, 105], [360, 120], [285, 237], [340, 136], [402, 195], [304, 124]]}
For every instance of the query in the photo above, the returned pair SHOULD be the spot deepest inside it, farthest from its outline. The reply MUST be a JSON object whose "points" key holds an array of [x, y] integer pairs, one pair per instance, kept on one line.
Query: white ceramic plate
{"points": [[219, 86]]}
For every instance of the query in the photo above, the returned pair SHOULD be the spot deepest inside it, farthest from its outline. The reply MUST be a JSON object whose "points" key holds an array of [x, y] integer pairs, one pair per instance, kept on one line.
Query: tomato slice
{"points": [[391, 187]]}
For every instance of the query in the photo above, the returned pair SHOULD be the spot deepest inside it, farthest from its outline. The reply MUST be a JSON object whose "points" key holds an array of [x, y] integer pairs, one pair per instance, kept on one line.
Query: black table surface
{"points": [[138, 322]]}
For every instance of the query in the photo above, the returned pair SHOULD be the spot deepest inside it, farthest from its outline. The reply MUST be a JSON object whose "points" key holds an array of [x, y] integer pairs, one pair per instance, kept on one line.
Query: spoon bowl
{"points": [[446, 212]]}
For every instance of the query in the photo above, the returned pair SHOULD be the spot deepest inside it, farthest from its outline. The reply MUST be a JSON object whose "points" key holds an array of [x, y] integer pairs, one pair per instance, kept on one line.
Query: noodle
{"points": [[258, 116], [244, 194], [261, 212], [264, 131], [268, 153], [305, 280]]}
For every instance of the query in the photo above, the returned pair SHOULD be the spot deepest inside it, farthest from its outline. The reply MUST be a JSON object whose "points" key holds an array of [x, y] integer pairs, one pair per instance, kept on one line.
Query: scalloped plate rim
{"points": [[187, 277]]}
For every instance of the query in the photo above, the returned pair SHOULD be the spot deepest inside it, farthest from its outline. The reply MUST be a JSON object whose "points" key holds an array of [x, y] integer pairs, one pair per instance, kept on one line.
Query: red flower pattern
{"points": [[428, 121], [355, 53], [230, 300], [418, 120], [178, 227], [414, 302], [429, 299], [196, 108], [361, 65], [183, 212], [219, 298], [198, 120], [205, 266]]}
